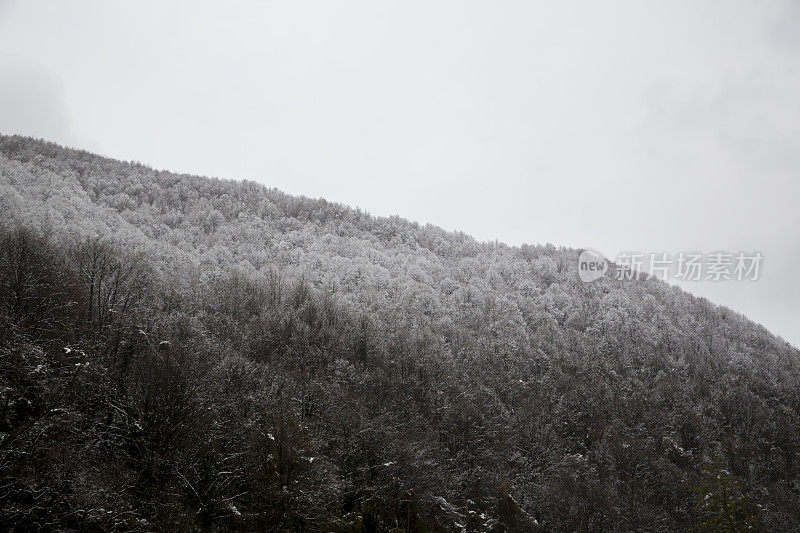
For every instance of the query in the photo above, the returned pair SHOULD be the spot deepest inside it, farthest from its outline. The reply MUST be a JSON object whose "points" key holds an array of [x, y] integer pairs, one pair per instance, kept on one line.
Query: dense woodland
{"points": [[186, 353]]}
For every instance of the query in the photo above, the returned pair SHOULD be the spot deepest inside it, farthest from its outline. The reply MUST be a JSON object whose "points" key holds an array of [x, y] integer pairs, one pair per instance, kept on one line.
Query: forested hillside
{"points": [[180, 352]]}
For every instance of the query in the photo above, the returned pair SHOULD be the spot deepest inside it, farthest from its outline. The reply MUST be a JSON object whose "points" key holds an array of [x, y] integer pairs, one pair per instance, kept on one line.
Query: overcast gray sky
{"points": [[648, 126]]}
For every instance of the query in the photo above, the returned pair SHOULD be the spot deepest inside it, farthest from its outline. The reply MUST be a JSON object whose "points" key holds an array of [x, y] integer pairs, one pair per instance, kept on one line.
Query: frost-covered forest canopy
{"points": [[179, 352]]}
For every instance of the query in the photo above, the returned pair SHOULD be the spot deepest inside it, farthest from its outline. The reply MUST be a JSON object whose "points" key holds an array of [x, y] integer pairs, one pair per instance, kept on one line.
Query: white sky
{"points": [[648, 126]]}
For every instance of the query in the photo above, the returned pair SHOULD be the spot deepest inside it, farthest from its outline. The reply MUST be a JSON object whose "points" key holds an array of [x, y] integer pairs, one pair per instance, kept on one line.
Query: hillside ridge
{"points": [[202, 353]]}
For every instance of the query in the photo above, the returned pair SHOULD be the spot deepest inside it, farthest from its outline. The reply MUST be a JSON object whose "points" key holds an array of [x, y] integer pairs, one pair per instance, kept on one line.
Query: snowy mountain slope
{"points": [[404, 365]]}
